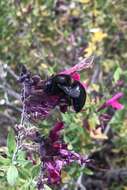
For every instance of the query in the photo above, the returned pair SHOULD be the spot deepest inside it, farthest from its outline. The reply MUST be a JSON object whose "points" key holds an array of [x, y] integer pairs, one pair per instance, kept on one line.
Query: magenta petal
{"points": [[75, 76], [59, 164], [49, 166], [58, 126], [83, 64], [64, 152], [54, 174], [113, 102], [117, 105], [54, 133], [115, 97]]}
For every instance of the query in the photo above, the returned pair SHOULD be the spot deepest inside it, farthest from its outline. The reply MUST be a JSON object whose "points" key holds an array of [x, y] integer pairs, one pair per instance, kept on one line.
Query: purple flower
{"points": [[38, 103], [54, 171], [113, 102], [55, 155], [54, 133]]}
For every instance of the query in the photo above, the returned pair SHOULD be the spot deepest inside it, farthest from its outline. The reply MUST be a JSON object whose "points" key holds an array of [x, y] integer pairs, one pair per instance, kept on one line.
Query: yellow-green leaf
{"points": [[12, 175]]}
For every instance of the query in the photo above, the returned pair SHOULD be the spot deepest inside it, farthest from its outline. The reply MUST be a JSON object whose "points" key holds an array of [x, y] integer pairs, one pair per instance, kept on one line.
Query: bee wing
{"points": [[73, 92]]}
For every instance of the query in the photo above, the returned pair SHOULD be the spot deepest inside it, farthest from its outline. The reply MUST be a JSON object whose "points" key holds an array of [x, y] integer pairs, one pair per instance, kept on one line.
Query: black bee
{"points": [[72, 91]]}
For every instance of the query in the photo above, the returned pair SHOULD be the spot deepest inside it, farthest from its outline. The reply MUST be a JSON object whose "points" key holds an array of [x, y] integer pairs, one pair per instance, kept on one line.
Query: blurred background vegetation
{"points": [[48, 36]]}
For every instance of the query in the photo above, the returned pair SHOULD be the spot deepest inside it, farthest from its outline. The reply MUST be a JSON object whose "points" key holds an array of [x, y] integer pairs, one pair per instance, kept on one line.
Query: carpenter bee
{"points": [[72, 91]]}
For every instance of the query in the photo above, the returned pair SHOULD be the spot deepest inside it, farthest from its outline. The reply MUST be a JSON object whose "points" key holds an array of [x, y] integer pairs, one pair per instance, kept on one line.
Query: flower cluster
{"points": [[55, 155], [38, 104]]}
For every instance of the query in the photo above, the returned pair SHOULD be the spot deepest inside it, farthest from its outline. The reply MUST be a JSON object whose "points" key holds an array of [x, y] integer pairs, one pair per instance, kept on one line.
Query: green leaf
{"points": [[117, 74], [46, 187], [11, 143], [87, 171], [4, 161], [12, 175], [35, 170], [24, 173]]}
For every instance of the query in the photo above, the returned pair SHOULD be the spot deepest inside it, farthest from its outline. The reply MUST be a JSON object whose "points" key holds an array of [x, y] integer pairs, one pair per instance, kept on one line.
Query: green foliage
{"points": [[11, 143]]}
